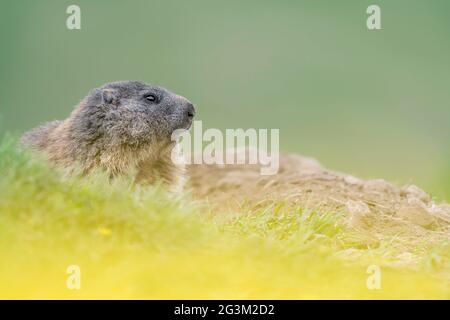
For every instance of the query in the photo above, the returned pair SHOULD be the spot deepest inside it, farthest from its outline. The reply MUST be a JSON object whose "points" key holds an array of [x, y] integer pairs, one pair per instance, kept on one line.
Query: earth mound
{"points": [[376, 207]]}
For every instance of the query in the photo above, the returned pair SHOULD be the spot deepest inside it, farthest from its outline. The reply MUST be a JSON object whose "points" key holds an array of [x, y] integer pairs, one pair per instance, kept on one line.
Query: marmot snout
{"points": [[119, 127]]}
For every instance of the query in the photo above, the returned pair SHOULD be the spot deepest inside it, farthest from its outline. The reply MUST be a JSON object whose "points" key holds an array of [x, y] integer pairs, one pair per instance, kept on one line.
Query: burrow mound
{"points": [[375, 206]]}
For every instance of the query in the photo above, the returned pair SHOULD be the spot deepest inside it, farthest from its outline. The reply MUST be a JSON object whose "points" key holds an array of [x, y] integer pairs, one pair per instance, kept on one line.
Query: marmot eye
{"points": [[150, 97]]}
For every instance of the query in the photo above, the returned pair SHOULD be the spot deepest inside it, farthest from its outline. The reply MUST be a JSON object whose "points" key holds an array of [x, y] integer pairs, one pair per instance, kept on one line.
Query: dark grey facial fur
{"points": [[131, 113]]}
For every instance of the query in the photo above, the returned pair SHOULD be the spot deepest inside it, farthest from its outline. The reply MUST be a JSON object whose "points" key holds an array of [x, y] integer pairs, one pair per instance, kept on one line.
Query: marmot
{"points": [[120, 127]]}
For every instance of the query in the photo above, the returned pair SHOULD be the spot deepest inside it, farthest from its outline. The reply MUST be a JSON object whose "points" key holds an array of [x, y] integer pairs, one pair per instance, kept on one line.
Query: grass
{"points": [[142, 243]]}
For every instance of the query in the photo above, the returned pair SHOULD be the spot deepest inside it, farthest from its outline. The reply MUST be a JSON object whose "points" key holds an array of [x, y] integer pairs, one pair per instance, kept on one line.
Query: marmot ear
{"points": [[110, 96]]}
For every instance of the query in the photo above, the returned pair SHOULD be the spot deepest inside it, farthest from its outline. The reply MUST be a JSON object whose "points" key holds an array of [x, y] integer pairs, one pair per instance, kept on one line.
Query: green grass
{"points": [[135, 242]]}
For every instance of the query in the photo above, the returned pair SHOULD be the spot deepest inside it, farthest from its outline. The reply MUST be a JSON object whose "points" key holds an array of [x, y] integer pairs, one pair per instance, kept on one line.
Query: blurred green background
{"points": [[371, 103]]}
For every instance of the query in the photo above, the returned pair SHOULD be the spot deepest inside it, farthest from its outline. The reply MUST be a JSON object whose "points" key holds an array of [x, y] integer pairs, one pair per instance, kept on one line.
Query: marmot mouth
{"points": [[187, 124]]}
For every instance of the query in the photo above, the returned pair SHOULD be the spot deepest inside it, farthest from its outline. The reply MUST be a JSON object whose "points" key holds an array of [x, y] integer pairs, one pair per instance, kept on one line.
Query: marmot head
{"points": [[130, 114]]}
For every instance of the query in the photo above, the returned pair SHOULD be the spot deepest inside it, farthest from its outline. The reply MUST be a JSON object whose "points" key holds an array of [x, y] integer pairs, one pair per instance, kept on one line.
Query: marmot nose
{"points": [[190, 110]]}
